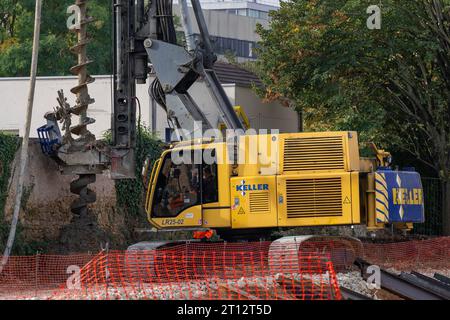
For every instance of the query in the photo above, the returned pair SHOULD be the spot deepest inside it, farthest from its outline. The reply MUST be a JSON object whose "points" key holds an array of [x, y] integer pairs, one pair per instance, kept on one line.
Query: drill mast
{"points": [[145, 43]]}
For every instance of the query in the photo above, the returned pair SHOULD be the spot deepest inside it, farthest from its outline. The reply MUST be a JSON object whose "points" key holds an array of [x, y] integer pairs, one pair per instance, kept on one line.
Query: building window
{"points": [[240, 48], [242, 12], [253, 13], [247, 13], [168, 134]]}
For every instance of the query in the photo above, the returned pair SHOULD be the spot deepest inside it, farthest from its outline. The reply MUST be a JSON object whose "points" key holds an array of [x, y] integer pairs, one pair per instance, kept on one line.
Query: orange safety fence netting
{"points": [[39, 275], [418, 255], [198, 271]]}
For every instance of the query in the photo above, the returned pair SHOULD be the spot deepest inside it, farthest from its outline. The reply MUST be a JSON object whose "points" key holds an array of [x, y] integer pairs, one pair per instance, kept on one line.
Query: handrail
{"points": [[150, 184]]}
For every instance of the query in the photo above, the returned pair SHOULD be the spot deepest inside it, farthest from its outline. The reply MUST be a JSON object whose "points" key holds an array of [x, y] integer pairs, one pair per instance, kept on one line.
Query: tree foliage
{"points": [[391, 85], [8, 18], [16, 33], [130, 193], [8, 147]]}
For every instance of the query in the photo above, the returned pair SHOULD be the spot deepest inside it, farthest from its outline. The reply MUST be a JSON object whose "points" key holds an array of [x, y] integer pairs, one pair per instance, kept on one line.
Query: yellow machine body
{"points": [[280, 181]]}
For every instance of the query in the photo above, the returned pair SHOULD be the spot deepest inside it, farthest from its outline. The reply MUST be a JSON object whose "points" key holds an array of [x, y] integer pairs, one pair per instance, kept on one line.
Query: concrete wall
{"points": [[14, 100], [45, 216]]}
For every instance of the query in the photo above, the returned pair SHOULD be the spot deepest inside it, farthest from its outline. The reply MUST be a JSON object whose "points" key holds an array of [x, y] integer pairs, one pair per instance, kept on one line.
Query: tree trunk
{"points": [[446, 207], [26, 136]]}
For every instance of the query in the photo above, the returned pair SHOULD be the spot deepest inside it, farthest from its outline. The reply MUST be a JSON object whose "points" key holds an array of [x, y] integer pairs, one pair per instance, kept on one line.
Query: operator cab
{"points": [[180, 184]]}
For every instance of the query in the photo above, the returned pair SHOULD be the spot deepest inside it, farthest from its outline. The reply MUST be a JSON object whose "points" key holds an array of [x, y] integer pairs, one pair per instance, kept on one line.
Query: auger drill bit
{"points": [[86, 138], [86, 196], [81, 90]]}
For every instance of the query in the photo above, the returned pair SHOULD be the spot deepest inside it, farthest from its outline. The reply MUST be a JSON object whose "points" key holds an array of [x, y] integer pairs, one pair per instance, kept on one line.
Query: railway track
{"points": [[349, 294], [408, 286]]}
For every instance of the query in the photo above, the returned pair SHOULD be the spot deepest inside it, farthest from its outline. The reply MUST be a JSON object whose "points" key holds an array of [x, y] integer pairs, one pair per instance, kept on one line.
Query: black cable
{"points": [[166, 26], [157, 93]]}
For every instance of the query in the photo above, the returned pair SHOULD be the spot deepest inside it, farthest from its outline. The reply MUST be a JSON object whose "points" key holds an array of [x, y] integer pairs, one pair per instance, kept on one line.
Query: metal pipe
{"points": [[203, 31], [227, 112], [187, 26], [139, 13], [119, 44]]}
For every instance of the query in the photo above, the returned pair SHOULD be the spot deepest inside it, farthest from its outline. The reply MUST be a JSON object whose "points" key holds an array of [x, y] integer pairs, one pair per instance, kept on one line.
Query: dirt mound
{"points": [[82, 234]]}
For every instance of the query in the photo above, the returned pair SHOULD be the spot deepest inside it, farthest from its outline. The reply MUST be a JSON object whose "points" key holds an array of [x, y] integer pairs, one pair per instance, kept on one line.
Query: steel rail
{"points": [[400, 286], [348, 294], [442, 278], [432, 284]]}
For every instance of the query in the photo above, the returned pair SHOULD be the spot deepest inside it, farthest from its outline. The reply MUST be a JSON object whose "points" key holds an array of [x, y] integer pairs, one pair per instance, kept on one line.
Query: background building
{"points": [[249, 8], [236, 82], [232, 24]]}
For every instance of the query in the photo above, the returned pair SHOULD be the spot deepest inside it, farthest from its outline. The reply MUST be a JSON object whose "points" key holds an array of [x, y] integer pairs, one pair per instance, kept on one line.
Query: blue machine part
{"points": [[45, 134], [399, 197]]}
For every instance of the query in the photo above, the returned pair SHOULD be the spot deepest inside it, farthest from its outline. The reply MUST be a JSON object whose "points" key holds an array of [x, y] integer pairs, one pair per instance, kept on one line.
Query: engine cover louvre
{"points": [[314, 154], [259, 202], [318, 197]]}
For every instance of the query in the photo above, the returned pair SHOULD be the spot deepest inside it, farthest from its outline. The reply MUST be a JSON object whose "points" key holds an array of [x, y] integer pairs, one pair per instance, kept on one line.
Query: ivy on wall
{"points": [[130, 193], [8, 147]]}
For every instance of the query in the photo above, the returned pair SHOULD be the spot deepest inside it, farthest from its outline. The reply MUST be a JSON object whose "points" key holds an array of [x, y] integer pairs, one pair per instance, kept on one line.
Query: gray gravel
{"points": [[201, 289], [355, 282]]}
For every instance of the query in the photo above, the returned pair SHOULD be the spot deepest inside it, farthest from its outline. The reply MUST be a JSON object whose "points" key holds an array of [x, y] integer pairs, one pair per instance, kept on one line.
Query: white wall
{"points": [[14, 93]]}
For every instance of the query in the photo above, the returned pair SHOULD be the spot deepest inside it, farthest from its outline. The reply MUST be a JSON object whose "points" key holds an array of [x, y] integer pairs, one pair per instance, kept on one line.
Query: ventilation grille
{"points": [[314, 153], [259, 202], [314, 197]]}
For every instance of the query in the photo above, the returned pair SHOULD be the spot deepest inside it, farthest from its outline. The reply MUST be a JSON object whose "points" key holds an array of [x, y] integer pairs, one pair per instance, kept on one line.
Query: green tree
{"points": [[9, 11], [392, 85], [17, 30]]}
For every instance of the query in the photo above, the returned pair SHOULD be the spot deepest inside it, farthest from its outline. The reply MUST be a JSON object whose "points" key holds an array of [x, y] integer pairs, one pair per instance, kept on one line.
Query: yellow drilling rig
{"points": [[243, 186]]}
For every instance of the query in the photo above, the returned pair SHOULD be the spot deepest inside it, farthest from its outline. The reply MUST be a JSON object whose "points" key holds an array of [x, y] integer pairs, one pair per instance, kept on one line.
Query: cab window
{"points": [[210, 191], [177, 188]]}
